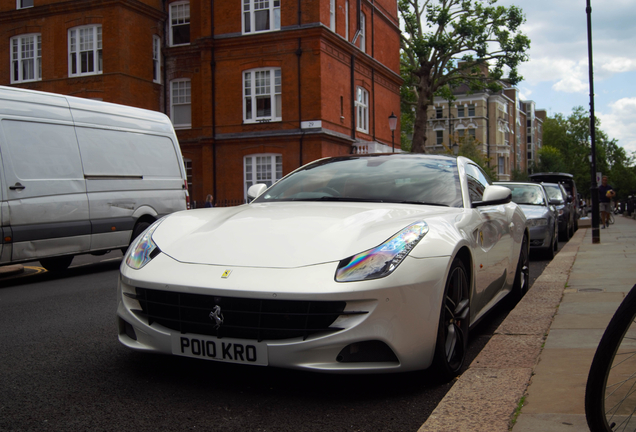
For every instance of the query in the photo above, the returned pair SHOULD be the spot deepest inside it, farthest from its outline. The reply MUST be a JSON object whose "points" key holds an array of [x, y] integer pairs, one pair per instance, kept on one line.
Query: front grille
{"points": [[243, 318]]}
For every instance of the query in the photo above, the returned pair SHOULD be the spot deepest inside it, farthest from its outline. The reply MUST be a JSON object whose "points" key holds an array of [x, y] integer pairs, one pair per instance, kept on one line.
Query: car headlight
{"points": [[537, 222], [143, 249], [381, 261]]}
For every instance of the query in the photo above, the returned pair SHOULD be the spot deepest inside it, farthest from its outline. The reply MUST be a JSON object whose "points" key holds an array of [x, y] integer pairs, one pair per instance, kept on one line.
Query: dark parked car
{"points": [[542, 217], [567, 180], [563, 202]]}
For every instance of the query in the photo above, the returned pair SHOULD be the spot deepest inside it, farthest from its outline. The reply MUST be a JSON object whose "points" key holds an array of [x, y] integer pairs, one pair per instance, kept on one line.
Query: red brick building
{"points": [[255, 88]]}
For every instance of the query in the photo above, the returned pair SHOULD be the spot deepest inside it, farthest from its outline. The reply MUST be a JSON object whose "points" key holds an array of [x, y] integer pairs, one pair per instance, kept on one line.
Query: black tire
{"points": [[612, 376], [556, 239], [454, 320], [522, 275], [56, 264], [571, 232], [565, 234]]}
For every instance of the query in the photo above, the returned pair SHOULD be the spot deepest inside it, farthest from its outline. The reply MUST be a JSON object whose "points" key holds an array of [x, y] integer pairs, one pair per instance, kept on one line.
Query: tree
{"points": [[446, 43]]}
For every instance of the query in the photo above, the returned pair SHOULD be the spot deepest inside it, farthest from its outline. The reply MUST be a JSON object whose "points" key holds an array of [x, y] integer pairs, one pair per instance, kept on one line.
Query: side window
{"points": [[362, 110], [180, 104], [262, 93], [180, 23], [477, 182], [26, 58], [261, 15], [85, 50], [156, 59], [21, 4], [262, 168]]}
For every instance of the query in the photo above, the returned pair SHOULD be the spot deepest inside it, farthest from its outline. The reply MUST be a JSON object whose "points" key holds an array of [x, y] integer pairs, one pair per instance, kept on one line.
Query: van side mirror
{"points": [[256, 190]]}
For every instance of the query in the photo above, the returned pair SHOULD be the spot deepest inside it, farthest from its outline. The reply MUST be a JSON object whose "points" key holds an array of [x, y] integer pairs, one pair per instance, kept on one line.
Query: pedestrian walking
{"points": [[605, 195]]}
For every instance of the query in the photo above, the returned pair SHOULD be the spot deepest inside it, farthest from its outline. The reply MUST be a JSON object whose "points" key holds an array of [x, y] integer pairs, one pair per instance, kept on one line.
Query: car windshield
{"points": [[554, 192], [384, 178], [525, 194]]}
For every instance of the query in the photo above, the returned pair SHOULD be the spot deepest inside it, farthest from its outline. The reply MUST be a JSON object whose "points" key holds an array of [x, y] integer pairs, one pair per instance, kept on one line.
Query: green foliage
{"points": [[520, 176], [470, 148], [446, 43], [567, 147]]}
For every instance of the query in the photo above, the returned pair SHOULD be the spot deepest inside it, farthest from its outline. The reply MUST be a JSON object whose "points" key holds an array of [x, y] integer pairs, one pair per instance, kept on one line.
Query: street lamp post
{"points": [[392, 126], [596, 235]]}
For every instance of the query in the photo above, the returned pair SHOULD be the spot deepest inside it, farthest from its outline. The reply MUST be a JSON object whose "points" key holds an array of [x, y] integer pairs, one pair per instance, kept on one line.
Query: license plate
{"points": [[226, 349]]}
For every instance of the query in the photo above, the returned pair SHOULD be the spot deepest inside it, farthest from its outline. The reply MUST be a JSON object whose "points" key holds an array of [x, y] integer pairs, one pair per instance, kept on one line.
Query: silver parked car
{"points": [[541, 215], [563, 202]]}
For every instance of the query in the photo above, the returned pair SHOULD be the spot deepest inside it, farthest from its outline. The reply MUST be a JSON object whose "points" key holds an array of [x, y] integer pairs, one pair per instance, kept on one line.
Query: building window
{"points": [[363, 32], [439, 113], [179, 23], [460, 111], [529, 139], [500, 166], [362, 110], [471, 110], [180, 104], [262, 168], [26, 58], [460, 133], [439, 135], [261, 15], [188, 168], [262, 95], [85, 50], [156, 59], [21, 4], [472, 134], [332, 15], [347, 20]]}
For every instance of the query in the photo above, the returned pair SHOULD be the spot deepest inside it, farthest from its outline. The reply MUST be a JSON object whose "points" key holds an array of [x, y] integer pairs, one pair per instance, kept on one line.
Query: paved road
{"points": [[62, 368]]}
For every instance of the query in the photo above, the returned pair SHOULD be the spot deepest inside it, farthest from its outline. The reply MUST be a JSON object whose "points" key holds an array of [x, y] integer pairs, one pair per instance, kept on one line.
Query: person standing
{"points": [[209, 201], [605, 195]]}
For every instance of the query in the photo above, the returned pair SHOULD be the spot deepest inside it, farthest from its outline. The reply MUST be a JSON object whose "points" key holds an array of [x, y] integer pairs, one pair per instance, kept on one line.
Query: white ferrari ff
{"points": [[367, 263]]}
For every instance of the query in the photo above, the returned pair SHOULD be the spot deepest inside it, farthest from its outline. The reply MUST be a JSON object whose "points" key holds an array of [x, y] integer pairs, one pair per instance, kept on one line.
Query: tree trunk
{"points": [[420, 127]]}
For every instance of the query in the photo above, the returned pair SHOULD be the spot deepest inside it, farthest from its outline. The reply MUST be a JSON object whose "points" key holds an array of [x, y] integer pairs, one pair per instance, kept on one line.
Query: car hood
{"points": [[534, 211], [285, 235]]}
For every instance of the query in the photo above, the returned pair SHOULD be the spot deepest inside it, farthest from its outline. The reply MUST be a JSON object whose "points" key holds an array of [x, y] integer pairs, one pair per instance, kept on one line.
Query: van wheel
{"points": [[57, 263]]}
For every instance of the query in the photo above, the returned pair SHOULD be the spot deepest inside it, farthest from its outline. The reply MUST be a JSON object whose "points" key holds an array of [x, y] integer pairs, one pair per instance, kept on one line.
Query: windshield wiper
{"points": [[420, 203]]}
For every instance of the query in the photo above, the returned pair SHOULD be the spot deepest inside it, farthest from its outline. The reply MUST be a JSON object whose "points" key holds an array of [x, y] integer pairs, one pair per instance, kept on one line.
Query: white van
{"points": [[81, 176]]}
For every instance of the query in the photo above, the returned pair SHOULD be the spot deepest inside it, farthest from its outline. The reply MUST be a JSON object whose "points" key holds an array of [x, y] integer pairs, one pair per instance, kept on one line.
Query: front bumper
{"points": [[540, 237], [402, 310]]}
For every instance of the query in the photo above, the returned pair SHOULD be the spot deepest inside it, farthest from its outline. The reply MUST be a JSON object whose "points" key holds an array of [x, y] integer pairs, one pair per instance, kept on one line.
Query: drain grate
{"points": [[591, 290]]}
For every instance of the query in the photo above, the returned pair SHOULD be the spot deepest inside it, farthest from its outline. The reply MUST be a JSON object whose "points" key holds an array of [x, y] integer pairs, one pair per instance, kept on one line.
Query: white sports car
{"points": [[366, 263]]}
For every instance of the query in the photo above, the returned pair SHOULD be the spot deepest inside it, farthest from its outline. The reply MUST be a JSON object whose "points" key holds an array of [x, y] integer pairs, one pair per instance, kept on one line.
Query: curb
{"points": [[487, 395]]}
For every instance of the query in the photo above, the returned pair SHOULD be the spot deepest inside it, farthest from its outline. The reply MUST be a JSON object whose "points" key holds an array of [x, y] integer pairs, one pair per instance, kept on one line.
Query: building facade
{"points": [[507, 130], [254, 88]]}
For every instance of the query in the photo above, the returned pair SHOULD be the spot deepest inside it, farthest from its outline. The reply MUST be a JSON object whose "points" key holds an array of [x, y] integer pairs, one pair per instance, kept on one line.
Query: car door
{"points": [[493, 242], [46, 190]]}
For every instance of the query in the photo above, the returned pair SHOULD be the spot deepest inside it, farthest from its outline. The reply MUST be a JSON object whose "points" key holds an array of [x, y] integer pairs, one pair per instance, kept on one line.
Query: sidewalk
{"points": [[536, 364]]}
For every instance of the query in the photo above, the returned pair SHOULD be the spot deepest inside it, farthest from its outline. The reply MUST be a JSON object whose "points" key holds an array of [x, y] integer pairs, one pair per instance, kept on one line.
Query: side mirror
{"points": [[494, 195], [555, 202], [256, 190]]}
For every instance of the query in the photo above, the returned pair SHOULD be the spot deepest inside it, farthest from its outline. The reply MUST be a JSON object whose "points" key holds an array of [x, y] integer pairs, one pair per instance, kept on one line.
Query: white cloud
{"points": [[619, 64], [620, 123]]}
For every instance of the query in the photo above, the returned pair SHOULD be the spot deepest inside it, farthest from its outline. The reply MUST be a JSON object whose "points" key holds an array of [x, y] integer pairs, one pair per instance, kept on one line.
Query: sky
{"points": [[556, 77]]}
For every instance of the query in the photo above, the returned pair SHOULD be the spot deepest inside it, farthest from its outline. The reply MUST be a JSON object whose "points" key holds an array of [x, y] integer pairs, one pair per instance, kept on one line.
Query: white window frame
{"points": [[78, 45], [363, 32], [19, 4], [31, 58], [471, 107], [332, 15], [179, 11], [181, 99], [250, 9], [264, 168], [362, 110], [156, 59], [501, 165], [262, 84]]}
